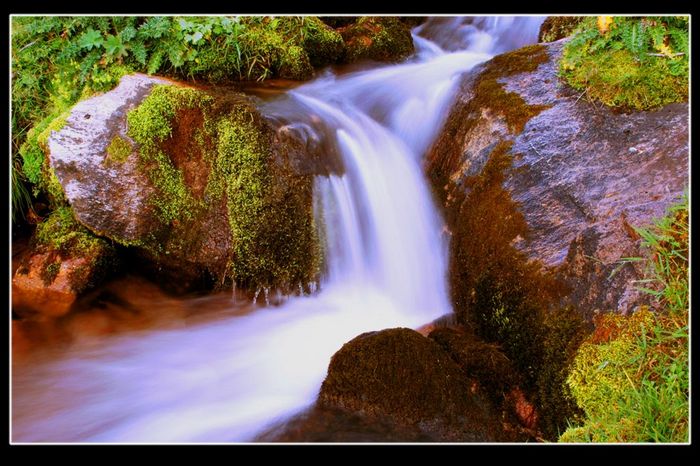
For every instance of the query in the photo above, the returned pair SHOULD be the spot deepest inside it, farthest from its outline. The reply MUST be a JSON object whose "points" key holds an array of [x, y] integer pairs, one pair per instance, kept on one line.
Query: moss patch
{"points": [[118, 150], [149, 125], [63, 238], [636, 64], [323, 44], [507, 298]]}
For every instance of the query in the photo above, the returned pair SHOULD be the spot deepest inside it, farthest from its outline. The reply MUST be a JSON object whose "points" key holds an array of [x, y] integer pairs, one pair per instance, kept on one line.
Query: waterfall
{"points": [[227, 380]]}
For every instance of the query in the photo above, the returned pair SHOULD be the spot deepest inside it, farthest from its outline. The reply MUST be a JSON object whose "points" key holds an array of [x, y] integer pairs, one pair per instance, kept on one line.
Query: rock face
{"points": [[197, 180], [400, 375], [558, 27], [581, 176]]}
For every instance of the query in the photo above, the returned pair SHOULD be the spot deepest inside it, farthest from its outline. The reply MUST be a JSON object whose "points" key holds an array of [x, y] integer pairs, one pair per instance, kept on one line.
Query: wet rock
{"points": [[582, 176], [379, 38], [400, 375], [64, 262], [155, 165]]}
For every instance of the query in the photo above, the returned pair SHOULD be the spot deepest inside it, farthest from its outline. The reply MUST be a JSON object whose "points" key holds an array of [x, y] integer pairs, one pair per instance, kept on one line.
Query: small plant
{"points": [[638, 63], [631, 376]]}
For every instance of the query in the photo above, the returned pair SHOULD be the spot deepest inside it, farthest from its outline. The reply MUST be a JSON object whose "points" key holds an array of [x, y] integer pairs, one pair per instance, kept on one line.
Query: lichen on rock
{"points": [[379, 38]]}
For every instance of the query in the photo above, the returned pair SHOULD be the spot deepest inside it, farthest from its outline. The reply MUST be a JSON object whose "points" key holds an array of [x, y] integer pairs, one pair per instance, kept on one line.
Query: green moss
{"points": [[638, 64], [557, 27], [55, 125], [631, 376], [294, 64], [62, 237], [270, 210], [149, 125], [322, 43], [49, 272], [118, 150]]}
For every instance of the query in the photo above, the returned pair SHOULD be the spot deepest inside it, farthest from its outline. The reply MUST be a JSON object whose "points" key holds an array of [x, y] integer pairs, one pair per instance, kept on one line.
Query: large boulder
{"points": [[525, 163], [196, 180], [400, 375]]}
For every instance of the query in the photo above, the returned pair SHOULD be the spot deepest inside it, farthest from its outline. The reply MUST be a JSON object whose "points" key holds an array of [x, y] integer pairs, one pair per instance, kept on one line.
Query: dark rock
{"points": [[400, 375], [379, 38], [581, 176], [558, 27]]}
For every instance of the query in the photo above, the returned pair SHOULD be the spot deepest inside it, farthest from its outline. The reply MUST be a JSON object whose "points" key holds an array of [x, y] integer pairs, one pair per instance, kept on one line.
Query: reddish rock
{"points": [[30, 289]]}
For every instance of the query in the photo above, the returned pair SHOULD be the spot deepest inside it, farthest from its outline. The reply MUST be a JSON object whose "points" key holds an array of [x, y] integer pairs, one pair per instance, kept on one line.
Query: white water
{"points": [[227, 380]]}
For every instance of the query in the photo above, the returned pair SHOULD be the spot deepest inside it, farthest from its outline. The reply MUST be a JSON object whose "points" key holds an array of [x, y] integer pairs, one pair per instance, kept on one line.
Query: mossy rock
{"points": [[379, 38], [338, 21], [322, 43], [558, 27], [400, 374], [195, 180], [66, 260]]}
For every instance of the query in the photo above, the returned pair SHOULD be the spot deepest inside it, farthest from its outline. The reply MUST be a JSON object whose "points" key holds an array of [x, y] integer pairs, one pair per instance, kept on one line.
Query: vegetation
{"points": [[61, 237], [56, 60], [631, 375], [629, 62], [118, 150]]}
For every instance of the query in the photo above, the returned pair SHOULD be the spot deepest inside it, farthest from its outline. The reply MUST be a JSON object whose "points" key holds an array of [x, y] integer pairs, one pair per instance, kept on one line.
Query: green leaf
{"points": [[139, 51], [114, 47], [155, 27], [193, 38], [90, 39]]}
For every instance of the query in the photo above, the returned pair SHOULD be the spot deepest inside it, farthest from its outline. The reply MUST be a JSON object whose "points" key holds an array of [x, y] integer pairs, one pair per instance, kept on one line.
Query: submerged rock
{"points": [[398, 374], [196, 180], [577, 178]]}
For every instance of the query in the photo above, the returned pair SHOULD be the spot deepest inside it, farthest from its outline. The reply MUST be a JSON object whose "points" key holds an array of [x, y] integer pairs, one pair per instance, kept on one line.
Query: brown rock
{"points": [[30, 289], [401, 375]]}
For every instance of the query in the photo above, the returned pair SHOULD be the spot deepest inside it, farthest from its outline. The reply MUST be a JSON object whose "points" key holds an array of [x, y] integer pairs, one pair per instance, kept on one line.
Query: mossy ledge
{"points": [[228, 170]]}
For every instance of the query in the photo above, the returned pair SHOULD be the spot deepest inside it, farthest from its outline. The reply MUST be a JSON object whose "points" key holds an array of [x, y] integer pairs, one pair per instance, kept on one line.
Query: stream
{"points": [[245, 367]]}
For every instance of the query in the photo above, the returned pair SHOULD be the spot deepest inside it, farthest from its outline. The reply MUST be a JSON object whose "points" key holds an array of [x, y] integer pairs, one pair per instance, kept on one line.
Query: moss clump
{"points": [[118, 150], [377, 38], [507, 298], [62, 238], [323, 44], [632, 63], [270, 209], [294, 64], [149, 125], [557, 27], [35, 163], [50, 272]]}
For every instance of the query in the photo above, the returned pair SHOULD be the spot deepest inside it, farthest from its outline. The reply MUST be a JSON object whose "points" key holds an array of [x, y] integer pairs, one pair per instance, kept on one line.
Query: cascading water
{"points": [[228, 379]]}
